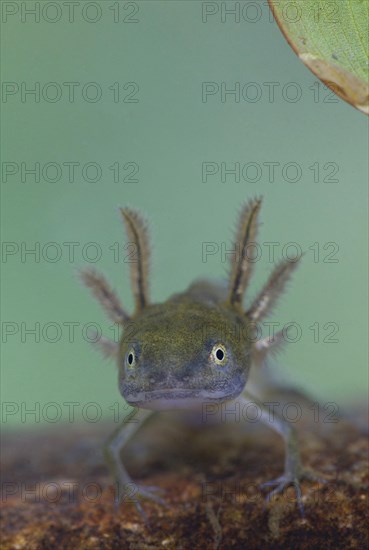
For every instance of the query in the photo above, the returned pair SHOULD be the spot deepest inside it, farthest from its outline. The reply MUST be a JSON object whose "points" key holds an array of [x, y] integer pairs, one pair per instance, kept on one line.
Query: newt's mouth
{"points": [[175, 399]]}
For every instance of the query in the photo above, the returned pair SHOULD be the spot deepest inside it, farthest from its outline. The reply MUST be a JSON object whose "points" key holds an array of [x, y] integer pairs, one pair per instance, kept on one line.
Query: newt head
{"points": [[184, 352], [195, 347]]}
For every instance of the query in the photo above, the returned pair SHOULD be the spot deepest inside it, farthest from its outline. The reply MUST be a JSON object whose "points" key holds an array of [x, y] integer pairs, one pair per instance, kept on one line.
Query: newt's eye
{"points": [[131, 359], [219, 354]]}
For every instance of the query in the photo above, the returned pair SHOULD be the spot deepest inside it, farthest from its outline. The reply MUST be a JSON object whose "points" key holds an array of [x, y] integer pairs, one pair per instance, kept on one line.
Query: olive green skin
{"points": [[173, 344]]}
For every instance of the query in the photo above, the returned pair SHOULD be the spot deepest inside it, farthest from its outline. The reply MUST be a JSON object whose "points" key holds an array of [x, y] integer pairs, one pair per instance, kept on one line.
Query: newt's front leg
{"points": [[293, 470], [126, 489]]}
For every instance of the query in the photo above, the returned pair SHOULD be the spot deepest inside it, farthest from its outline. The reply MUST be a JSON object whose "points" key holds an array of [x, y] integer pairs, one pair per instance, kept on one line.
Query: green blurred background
{"points": [[168, 50]]}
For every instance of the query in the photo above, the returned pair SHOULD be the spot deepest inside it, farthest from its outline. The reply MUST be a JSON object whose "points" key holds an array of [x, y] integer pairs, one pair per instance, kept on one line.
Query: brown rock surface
{"points": [[57, 493]]}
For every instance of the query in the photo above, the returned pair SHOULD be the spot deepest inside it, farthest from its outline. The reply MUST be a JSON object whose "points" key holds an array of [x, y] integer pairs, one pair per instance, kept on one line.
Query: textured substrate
{"points": [[57, 493]]}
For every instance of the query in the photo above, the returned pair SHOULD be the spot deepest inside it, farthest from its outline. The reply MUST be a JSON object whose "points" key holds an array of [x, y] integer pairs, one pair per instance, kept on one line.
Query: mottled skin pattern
{"points": [[173, 348], [193, 349]]}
